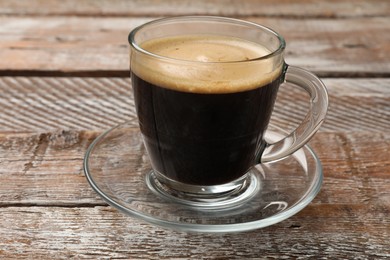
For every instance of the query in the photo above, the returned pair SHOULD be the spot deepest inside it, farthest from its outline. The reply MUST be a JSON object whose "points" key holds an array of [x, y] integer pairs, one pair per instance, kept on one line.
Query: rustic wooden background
{"points": [[64, 79]]}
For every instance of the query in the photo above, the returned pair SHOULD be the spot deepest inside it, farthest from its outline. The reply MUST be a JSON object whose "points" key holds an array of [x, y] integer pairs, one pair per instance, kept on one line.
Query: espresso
{"points": [[204, 126]]}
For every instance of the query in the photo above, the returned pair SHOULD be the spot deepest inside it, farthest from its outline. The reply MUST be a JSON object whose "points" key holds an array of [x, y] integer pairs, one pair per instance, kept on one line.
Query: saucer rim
{"points": [[310, 193]]}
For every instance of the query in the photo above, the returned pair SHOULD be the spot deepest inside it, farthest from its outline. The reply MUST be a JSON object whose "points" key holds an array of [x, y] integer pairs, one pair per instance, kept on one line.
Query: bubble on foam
{"points": [[205, 64]]}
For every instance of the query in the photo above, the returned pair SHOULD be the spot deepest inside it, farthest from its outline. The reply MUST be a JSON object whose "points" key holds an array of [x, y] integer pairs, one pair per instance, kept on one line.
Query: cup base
{"points": [[204, 197]]}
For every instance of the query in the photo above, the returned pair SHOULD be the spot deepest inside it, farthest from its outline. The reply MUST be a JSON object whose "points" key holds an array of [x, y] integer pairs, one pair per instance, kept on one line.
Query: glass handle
{"points": [[311, 123]]}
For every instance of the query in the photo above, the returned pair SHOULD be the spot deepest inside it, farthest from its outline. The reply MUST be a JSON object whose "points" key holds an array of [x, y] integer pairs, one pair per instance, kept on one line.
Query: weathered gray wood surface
{"points": [[290, 8], [98, 46], [102, 232], [46, 169], [41, 104], [47, 208]]}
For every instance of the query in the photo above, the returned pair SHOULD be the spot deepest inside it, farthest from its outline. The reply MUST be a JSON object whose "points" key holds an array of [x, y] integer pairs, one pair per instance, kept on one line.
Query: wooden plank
{"points": [[347, 218], [354, 105], [46, 169], [319, 231], [32, 104], [98, 46], [42, 104], [300, 8]]}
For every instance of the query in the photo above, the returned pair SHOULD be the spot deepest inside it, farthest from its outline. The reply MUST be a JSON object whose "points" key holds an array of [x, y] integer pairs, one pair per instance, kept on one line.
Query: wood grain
{"points": [[354, 105], [91, 46], [41, 104], [326, 231], [281, 8], [46, 169], [64, 78], [34, 104], [47, 208]]}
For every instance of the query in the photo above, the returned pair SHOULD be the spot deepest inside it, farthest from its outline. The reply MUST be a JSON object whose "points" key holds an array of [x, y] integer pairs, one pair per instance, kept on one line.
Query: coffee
{"points": [[203, 122]]}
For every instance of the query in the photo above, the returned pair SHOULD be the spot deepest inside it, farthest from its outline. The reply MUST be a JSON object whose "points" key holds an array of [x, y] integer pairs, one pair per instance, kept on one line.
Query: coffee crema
{"points": [[215, 64]]}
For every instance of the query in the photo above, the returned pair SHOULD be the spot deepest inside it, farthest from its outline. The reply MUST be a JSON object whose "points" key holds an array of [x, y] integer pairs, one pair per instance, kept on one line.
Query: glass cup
{"points": [[204, 90]]}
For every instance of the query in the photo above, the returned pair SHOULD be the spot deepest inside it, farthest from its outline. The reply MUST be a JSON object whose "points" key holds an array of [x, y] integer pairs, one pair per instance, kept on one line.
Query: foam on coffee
{"points": [[205, 64]]}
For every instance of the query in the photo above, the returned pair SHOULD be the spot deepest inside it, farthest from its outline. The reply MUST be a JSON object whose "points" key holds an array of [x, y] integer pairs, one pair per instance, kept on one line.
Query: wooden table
{"points": [[64, 79]]}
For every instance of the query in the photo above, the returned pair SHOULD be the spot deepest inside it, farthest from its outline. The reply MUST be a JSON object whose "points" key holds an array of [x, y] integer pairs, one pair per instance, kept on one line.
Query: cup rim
{"points": [[137, 47]]}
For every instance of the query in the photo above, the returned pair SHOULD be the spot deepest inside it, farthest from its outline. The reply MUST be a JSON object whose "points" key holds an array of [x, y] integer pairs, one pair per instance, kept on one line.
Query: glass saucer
{"points": [[117, 167]]}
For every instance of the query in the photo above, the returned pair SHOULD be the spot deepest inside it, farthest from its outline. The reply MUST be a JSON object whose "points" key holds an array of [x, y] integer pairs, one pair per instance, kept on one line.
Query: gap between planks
{"points": [[54, 205], [126, 74]]}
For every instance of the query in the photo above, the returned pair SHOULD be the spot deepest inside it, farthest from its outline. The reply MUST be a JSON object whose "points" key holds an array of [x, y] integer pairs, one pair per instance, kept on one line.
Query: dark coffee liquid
{"points": [[200, 138]]}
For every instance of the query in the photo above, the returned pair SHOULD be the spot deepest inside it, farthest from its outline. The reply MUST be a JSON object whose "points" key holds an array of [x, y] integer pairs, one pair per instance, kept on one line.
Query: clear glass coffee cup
{"points": [[204, 91]]}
